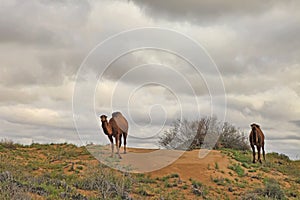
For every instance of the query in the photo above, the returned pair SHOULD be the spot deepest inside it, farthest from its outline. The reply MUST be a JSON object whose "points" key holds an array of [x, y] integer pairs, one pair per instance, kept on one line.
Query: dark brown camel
{"points": [[257, 138], [116, 127]]}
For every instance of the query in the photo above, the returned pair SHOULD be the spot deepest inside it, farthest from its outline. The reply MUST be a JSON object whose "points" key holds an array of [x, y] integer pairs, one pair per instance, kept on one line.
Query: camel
{"points": [[116, 127], [257, 138]]}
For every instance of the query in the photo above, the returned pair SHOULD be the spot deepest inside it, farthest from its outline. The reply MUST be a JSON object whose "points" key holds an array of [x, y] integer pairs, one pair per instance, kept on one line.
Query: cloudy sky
{"points": [[63, 63]]}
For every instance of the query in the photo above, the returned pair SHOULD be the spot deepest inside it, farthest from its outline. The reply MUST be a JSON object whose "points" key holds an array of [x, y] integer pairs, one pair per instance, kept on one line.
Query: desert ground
{"points": [[64, 171]]}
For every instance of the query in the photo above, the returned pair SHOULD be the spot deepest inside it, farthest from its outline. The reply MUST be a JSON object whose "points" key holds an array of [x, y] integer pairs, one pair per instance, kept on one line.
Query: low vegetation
{"points": [[65, 171]]}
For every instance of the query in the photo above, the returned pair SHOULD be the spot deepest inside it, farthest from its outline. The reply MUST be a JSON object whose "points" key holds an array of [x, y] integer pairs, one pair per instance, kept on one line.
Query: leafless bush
{"points": [[232, 137], [207, 132], [9, 144], [180, 136]]}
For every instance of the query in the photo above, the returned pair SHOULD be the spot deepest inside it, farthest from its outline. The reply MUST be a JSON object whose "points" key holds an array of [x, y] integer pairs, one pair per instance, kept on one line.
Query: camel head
{"points": [[103, 118], [254, 126], [105, 125]]}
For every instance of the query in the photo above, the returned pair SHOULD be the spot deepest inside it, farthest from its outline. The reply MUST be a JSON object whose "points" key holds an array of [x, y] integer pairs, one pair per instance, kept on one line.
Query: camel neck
{"points": [[106, 128]]}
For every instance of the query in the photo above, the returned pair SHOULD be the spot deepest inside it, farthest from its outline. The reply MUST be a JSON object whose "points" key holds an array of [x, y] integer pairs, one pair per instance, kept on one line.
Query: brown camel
{"points": [[257, 138], [116, 127]]}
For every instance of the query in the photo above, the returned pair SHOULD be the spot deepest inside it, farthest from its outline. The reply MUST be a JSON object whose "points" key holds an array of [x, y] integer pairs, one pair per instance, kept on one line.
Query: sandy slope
{"points": [[188, 164]]}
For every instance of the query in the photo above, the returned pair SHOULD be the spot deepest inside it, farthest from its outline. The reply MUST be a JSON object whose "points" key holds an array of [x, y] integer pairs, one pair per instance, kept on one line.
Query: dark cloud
{"points": [[39, 41], [41, 23], [295, 122], [264, 34], [203, 12]]}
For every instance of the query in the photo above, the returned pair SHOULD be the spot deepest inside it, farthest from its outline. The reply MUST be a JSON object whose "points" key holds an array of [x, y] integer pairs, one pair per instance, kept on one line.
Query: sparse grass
{"points": [[174, 176], [241, 184], [165, 178], [63, 171], [217, 166], [238, 169], [142, 191], [241, 156], [185, 186], [142, 178], [227, 180], [265, 169], [167, 184], [219, 181], [247, 166], [208, 166]]}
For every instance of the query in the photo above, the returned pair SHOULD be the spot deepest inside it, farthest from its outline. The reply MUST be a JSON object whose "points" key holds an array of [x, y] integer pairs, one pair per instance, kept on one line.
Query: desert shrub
{"points": [[271, 190], [8, 144], [10, 189], [18, 187], [199, 189], [196, 184], [110, 183], [251, 196], [232, 138], [219, 180], [207, 132]]}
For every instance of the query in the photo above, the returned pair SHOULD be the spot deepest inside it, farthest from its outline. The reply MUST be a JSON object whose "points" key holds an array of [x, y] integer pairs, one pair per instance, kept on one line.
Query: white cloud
{"points": [[42, 45]]}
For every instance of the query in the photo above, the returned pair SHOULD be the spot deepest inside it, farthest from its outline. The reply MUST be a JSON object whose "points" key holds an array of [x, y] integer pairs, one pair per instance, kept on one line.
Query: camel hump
{"points": [[121, 121]]}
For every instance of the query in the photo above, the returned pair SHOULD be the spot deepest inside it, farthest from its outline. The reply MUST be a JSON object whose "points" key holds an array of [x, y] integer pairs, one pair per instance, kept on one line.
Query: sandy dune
{"points": [[160, 162]]}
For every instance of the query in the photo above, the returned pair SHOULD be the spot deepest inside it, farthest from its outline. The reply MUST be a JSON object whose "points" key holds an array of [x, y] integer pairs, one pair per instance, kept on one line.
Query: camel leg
{"points": [[112, 145], [253, 153], [258, 152], [117, 145], [120, 143], [124, 137], [263, 149]]}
